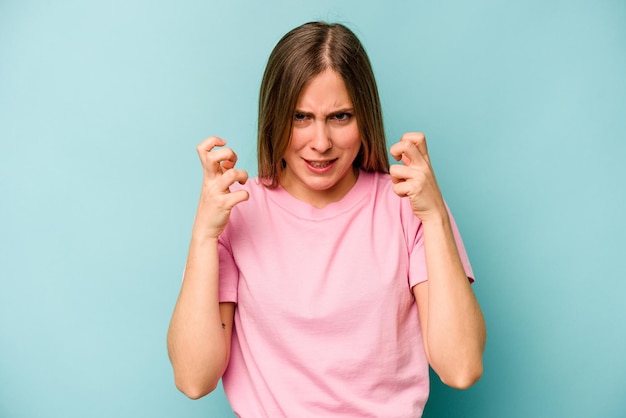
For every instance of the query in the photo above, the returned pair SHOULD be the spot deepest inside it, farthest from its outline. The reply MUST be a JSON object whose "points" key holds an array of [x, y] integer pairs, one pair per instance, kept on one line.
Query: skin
{"points": [[325, 141], [199, 335], [452, 323]]}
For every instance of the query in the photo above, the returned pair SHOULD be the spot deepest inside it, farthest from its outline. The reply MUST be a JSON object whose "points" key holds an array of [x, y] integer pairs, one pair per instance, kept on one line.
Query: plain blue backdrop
{"points": [[103, 102]]}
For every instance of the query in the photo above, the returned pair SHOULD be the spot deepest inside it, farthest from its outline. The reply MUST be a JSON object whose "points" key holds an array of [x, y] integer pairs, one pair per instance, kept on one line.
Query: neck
{"points": [[319, 198]]}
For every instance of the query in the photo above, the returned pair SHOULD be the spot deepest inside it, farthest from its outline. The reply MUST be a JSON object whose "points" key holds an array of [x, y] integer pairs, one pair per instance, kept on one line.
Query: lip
{"points": [[320, 170]]}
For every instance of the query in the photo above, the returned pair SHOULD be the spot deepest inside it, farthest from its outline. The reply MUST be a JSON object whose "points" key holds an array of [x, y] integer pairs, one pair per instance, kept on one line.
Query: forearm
{"points": [[456, 328], [196, 339]]}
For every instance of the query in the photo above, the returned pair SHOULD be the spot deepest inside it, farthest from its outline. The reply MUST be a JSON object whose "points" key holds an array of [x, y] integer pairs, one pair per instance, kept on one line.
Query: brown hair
{"points": [[300, 55]]}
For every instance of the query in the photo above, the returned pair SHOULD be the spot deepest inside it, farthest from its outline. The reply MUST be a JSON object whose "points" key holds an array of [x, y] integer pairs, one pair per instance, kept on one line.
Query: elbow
{"points": [[196, 379], [464, 379], [195, 390]]}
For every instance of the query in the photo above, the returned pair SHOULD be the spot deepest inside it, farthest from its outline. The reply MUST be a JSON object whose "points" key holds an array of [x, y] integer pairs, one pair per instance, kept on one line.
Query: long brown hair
{"points": [[300, 55]]}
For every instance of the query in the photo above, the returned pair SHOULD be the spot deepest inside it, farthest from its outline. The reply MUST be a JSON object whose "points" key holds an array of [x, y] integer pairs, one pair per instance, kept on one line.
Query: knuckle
{"points": [[212, 139], [420, 177]]}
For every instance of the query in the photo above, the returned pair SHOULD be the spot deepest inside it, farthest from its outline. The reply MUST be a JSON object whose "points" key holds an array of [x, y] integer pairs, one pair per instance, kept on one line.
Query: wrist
{"points": [[435, 217], [203, 237]]}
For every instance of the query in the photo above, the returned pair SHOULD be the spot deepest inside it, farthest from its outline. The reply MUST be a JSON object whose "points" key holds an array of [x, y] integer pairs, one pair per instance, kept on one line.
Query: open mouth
{"points": [[320, 164]]}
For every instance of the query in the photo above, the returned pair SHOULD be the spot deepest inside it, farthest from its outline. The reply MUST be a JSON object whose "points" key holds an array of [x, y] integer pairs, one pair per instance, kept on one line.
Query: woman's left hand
{"points": [[415, 178]]}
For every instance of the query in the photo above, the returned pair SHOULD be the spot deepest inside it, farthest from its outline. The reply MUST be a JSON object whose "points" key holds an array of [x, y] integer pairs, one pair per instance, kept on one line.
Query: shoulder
{"points": [[389, 204], [377, 183], [381, 188]]}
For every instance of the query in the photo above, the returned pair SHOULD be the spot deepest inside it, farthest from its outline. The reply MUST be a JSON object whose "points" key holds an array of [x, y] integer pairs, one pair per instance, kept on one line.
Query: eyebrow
{"points": [[333, 113]]}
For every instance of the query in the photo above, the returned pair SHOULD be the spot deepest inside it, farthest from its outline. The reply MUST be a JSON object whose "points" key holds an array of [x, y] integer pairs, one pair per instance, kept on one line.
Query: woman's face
{"points": [[325, 140]]}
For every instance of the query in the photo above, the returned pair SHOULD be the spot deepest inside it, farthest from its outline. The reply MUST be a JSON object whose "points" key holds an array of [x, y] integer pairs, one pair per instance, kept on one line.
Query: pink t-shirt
{"points": [[326, 323]]}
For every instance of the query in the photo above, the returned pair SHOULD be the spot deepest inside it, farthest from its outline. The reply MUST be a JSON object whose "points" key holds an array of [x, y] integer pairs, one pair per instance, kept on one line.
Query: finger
{"points": [[395, 151], [408, 188], [412, 177], [400, 189], [208, 144], [204, 149], [226, 158], [407, 152], [231, 177], [418, 139], [219, 161], [231, 199], [239, 176], [230, 162], [399, 173]]}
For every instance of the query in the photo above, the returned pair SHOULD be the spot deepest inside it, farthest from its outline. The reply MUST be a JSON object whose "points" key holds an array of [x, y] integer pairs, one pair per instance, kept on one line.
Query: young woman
{"points": [[326, 286]]}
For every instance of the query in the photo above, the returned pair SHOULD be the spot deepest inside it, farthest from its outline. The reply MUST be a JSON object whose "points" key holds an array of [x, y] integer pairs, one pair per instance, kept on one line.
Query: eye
{"points": [[342, 117], [299, 117]]}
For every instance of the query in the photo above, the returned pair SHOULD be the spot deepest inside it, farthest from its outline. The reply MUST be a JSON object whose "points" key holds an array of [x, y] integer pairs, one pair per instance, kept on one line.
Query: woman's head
{"points": [[299, 56]]}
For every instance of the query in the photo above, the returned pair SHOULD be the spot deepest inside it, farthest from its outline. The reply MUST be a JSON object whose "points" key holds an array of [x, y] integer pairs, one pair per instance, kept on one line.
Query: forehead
{"points": [[325, 90]]}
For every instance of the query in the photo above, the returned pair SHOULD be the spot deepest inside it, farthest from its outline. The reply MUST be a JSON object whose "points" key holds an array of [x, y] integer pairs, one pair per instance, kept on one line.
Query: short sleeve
{"points": [[417, 258], [228, 272]]}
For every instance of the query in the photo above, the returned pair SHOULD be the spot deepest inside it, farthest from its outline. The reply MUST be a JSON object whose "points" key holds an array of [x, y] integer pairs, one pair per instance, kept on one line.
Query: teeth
{"points": [[319, 164]]}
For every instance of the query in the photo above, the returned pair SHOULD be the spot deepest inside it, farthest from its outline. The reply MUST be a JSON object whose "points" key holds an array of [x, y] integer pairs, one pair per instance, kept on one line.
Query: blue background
{"points": [[103, 103]]}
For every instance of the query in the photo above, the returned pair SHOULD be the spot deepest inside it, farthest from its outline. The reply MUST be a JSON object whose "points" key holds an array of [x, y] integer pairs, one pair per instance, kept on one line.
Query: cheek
{"points": [[346, 136], [298, 140], [356, 140]]}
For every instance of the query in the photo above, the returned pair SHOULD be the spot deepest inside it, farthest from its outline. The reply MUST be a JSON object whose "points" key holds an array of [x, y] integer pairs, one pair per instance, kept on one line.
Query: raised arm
{"points": [[199, 335], [452, 323]]}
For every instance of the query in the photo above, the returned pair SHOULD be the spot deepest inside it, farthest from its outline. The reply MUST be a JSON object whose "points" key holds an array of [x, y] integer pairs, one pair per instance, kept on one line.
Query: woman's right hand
{"points": [[216, 199]]}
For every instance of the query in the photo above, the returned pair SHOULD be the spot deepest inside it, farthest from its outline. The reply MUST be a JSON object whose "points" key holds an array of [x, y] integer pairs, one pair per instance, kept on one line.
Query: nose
{"points": [[321, 141]]}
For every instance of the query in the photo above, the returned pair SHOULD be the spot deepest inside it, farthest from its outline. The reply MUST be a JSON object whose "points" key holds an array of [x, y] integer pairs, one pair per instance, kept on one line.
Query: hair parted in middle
{"points": [[300, 55]]}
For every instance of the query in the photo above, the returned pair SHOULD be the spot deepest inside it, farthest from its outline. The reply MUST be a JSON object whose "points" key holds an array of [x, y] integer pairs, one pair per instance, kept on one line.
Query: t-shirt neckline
{"points": [[301, 209]]}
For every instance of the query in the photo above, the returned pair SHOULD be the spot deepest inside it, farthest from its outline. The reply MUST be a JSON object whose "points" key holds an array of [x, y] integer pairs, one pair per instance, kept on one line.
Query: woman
{"points": [[328, 285]]}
